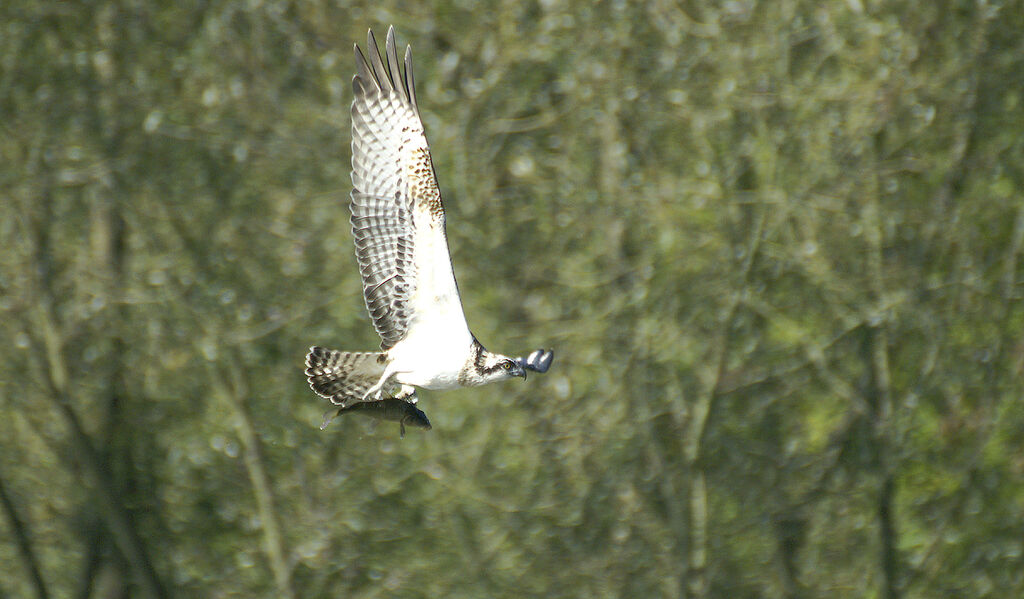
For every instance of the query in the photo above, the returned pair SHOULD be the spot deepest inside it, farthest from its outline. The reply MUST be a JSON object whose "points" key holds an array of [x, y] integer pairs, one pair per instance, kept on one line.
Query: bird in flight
{"points": [[398, 222]]}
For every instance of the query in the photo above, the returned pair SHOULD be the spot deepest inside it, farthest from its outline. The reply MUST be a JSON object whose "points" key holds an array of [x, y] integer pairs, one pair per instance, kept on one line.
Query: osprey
{"points": [[398, 223]]}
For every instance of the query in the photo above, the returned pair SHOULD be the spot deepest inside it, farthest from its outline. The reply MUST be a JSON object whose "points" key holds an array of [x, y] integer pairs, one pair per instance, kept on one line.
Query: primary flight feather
{"points": [[398, 223]]}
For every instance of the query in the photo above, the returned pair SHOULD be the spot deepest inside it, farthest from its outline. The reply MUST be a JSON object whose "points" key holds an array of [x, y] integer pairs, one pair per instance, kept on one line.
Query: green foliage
{"points": [[776, 247]]}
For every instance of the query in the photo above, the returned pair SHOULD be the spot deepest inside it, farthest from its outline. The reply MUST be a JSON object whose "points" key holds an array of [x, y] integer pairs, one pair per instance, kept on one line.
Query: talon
{"points": [[407, 393], [375, 392], [372, 394]]}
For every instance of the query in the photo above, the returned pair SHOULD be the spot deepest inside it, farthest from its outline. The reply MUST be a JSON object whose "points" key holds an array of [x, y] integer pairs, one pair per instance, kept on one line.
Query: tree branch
{"points": [[235, 391], [697, 582], [879, 391], [55, 374], [21, 538]]}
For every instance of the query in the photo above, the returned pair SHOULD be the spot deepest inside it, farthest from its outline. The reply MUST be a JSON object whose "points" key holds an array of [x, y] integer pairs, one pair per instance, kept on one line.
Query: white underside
{"points": [[431, 356], [438, 344]]}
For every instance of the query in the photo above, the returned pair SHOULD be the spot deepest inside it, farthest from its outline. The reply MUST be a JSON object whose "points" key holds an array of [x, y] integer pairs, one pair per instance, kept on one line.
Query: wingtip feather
{"points": [[385, 71], [410, 82], [363, 74], [394, 67], [377, 64]]}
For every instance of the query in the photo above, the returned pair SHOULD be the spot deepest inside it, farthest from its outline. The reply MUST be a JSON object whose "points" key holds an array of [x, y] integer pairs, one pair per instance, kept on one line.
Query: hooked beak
{"points": [[520, 368]]}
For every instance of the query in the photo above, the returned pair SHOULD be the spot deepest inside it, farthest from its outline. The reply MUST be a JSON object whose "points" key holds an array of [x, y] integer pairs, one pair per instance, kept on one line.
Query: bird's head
{"points": [[496, 367]]}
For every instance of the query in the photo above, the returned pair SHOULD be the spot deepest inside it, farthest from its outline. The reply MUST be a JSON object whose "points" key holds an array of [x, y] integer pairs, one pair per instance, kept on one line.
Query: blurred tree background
{"points": [[776, 247]]}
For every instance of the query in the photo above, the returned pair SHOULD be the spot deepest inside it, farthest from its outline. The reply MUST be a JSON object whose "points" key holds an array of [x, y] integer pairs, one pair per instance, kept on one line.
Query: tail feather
{"points": [[343, 377]]}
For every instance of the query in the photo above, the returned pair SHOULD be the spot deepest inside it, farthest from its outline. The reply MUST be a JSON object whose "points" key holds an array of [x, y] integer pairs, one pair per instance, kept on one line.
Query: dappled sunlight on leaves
{"points": [[775, 247]]}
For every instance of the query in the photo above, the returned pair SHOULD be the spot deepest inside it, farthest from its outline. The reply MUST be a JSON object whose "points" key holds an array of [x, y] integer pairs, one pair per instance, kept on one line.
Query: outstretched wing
{"points": [[397, 216]]}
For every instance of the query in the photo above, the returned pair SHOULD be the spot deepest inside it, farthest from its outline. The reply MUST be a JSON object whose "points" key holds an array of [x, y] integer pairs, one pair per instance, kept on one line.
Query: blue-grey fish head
{"points": [[538, 361]]}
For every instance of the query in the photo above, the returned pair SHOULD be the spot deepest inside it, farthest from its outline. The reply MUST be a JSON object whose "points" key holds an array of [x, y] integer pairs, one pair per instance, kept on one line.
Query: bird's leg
{"points": [[407, 393], [374, 392]]}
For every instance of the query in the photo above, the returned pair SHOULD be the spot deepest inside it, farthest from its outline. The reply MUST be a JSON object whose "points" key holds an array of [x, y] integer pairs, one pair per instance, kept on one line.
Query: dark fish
{"points": [[538, 361], [394, 410]]}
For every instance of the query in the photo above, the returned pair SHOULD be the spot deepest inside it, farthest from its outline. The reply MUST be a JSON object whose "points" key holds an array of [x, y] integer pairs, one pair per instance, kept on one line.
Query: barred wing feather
{"points": [[397, 215]]}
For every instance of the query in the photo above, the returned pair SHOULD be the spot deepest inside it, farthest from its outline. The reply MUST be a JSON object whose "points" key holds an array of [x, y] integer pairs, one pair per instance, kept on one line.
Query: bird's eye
{"points": [[506, 365]]}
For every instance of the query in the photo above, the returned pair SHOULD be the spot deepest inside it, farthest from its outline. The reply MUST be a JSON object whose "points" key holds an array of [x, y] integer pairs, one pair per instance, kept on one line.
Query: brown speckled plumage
{"points": [[395, 191], [398, 223]]}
